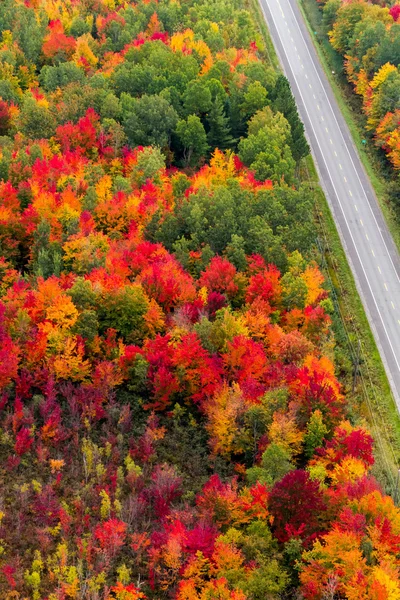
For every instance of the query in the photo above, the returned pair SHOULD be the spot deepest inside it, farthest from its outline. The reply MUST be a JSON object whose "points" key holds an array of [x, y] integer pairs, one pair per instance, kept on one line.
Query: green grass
{"points": [[269, 50], [378, 171], [372, 398]]}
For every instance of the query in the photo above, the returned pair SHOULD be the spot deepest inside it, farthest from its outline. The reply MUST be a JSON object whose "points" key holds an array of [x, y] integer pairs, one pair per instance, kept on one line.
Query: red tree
{"points": [[297, 506]]}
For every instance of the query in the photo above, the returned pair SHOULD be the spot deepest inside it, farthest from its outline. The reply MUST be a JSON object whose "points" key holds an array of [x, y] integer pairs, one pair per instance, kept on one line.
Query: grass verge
{"points": [[372, 397], [270, 54], [350, 107]]}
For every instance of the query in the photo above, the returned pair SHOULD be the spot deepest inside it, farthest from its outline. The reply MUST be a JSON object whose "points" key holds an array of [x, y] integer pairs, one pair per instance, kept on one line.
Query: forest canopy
{"points": [[172, 423]]}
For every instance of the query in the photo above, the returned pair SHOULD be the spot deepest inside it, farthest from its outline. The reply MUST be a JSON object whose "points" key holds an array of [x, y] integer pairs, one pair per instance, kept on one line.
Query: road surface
{"points": [[370, 249]]}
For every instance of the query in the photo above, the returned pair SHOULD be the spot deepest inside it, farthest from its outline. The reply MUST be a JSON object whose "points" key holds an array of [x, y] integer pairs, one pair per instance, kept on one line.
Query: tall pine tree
{"points": [[219, 131], [284, 102]]}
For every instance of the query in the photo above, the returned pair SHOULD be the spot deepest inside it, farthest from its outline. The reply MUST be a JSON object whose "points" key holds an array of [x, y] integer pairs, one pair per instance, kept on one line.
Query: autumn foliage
{"points": [[172, 424]]}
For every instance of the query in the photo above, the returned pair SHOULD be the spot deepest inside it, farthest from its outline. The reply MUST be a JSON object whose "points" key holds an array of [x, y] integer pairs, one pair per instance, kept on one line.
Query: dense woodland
{"points": [[172, 425], [367, 35]]}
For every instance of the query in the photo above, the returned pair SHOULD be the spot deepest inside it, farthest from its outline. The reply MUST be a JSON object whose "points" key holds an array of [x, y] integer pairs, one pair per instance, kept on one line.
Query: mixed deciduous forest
{"points": [[172, 424], [367, 35]]}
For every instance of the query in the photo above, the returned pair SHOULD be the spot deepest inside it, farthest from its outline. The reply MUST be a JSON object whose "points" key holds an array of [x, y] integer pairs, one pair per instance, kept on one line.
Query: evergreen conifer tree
{"points": [[285, 103], [219, 134]]}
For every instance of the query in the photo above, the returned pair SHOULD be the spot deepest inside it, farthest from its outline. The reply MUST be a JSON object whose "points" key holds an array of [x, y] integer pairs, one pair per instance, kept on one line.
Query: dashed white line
{"points": [[366, 235], [350, 193], [357, 174], [355, 206], [391, 302], [345, 179], [373, 253], [340, 167], [386, 287], [379, 269], [333, 184], [362, 224]]}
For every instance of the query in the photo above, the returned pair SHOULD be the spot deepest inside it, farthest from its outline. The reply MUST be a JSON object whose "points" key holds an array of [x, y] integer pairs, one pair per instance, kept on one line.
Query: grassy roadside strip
{"points": [[372, 397], [269, 51], [332, 61]]}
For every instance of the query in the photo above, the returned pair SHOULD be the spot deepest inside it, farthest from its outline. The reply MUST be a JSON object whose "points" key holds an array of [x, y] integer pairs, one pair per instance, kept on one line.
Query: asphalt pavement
{"points": [[369, 246]]}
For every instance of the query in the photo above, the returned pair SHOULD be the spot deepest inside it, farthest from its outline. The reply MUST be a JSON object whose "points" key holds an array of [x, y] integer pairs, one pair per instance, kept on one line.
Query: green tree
{"points": [[150, 162], [254, 99], [219, 131], [193, 138], [47, 256], [329, 13], [28, 30], [52, 78], [284, 102], [87, 325], [294, 291], [315, 433], [148, 120], [268, 155], [276, 462], [197, 97], [83, 294], [36, 121], [123, 310], [269, 579]]}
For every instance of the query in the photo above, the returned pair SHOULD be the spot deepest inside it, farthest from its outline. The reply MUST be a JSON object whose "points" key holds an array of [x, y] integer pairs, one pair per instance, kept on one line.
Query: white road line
{"points": [[373, 254], [350, 193], [366, 235], [340, 166], [362, 224], [391, 302], [330, 139], [332, 182], [347, 149], [355, 206], [379, 269], [345, 179], [386, 287]]}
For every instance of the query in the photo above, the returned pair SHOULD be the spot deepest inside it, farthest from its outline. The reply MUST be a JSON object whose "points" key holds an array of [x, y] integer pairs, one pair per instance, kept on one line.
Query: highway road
{"points": [[370, 249]]}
